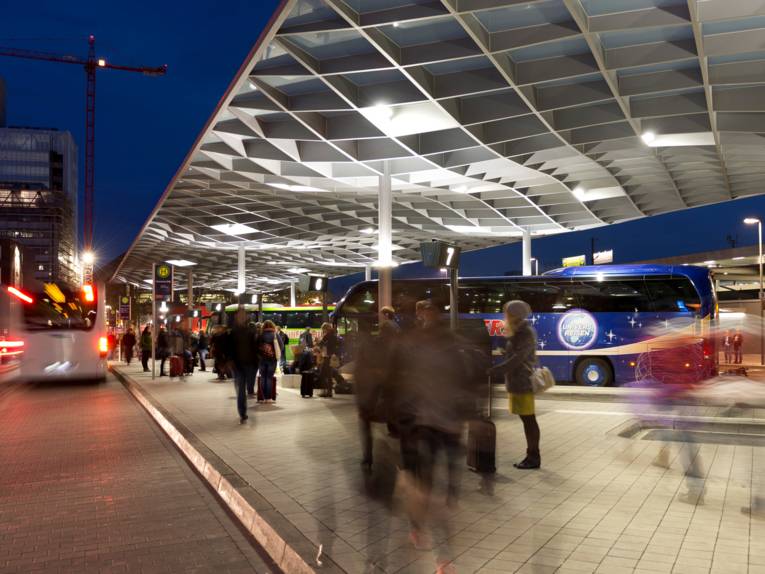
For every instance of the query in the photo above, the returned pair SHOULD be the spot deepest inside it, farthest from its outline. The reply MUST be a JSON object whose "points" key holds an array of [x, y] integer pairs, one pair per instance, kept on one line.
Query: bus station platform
{"points": [[604, 501]]}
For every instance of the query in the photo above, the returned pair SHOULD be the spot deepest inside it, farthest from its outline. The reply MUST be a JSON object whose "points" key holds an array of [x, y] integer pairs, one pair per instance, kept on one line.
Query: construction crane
{"points": [[91, 65]]}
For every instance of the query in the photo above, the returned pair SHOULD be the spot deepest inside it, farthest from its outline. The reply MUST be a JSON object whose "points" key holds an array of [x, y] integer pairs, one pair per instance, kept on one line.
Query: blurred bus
{"points": [[63, 332], [292, 320], [593, 323]]}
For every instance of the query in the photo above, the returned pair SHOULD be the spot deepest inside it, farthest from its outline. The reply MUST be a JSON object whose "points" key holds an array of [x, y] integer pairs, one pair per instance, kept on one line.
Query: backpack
{"points": [[267, 351]]}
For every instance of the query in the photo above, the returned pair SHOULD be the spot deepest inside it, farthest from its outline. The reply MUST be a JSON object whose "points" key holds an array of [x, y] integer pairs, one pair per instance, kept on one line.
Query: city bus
{"points": [[63, 332], [593, 323]]}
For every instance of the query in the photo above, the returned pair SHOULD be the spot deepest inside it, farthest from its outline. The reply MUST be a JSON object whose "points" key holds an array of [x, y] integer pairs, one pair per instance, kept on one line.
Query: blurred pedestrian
{"points": [[284, 341], [329, 360], [431, 399], [306, 338], [111, 343], [727, 345], [518, 368], [388, 325], [203, 347], [163, 349], [738, 347], [369, 375], [269, 354], [220, 349], [128, 345], [245, 361], [145, 348]]}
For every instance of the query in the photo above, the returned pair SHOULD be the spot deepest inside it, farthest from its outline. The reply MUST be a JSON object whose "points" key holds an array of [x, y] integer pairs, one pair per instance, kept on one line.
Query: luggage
{"points": [[307, 381], [343, 388], [482, 446], [176, 366], [261, 397], [482, 442]]}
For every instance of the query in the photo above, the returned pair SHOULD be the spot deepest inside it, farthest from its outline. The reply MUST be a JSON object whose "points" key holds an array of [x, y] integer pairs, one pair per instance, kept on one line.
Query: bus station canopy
{"points": [[495, 117]]}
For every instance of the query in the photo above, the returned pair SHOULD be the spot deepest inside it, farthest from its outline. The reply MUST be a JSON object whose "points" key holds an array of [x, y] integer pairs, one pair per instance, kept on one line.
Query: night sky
{"points": [[145, 126]]}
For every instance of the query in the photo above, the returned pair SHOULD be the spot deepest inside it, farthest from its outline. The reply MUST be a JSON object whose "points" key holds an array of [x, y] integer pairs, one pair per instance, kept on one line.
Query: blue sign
{"points": [[577, 330]]}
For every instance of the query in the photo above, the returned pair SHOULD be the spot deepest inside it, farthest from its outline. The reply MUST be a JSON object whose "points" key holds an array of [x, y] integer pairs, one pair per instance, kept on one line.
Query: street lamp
{"points": [[752, 221]]}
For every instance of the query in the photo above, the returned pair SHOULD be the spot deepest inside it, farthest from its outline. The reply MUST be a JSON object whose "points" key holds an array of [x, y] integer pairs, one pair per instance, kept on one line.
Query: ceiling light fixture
{"points": [[180, 262], [234, 228], [648, 137], [385, 111], [368, 230]]}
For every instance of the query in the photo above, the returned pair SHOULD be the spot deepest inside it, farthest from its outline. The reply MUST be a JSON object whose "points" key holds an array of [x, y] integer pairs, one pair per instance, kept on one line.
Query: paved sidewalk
{"points": [[597, 505], [90, 484]]}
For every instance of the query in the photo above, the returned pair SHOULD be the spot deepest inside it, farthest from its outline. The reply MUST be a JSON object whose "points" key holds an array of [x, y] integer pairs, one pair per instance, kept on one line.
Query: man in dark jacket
{"points": [[128, 344], [145, 348], [163, 349], [245, 359]]}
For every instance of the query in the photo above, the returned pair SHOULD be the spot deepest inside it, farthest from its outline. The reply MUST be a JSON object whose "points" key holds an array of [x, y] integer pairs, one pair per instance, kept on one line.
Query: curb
{"points": [[286, 546]]}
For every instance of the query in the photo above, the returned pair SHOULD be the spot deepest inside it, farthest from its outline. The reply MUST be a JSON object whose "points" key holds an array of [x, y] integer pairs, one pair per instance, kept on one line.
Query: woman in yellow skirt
{"points": [[518, 367]]}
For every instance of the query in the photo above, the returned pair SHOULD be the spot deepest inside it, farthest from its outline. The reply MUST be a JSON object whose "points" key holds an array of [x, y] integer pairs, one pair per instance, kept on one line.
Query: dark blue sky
{"points": [[145, 126]]}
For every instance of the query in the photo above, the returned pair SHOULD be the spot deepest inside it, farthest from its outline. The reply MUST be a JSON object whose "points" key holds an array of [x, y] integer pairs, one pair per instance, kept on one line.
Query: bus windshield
{"points": [[58, 308]]}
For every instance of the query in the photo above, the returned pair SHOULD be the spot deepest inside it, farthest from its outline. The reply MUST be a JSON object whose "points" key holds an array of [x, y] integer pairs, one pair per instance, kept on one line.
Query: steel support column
{"points": [[526, 252], [240, 280], [384, 239]]}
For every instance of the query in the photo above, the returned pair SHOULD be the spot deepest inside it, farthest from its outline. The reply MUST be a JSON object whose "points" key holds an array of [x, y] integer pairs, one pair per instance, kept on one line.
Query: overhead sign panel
{"points": [[603, 257], [574, 261]]}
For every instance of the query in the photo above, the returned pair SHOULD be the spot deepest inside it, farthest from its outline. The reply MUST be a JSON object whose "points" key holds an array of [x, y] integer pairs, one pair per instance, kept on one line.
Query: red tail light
{"points": [[103, 346], [11, 348], [19, 294], [87, 291]]}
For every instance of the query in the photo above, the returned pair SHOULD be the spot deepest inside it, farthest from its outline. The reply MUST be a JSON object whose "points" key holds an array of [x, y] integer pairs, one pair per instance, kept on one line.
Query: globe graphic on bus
{"points": [[577, 330]]}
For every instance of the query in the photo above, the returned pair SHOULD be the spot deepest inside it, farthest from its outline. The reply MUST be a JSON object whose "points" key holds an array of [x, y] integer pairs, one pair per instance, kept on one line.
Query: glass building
{"points": [[38, 200]]}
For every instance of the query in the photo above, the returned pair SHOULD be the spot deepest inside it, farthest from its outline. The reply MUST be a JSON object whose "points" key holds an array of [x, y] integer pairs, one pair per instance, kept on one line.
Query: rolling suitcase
{"points": [[176, 366], [482, 442], [307, 381]]}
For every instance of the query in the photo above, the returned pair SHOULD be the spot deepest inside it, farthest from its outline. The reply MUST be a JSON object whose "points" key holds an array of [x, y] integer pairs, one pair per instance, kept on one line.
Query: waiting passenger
{"points": [[145, 348], [269, 354], [518, 368]]}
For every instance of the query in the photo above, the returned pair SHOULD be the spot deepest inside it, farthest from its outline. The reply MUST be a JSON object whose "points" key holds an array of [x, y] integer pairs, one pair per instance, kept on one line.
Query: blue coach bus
{"points": [[593, 323]]}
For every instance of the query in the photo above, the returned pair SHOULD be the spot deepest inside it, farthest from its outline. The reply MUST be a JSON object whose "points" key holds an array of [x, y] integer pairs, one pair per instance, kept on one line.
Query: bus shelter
{"points": [[354, 130]]}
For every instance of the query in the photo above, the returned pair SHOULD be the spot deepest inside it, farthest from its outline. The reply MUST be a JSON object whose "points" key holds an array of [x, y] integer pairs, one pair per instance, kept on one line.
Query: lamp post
{"points": [[752, 221]]}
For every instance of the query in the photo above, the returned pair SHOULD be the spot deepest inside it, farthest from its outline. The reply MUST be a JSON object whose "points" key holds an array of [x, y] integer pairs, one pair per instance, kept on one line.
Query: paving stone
{"points": [[90, 484], [598, 503]]}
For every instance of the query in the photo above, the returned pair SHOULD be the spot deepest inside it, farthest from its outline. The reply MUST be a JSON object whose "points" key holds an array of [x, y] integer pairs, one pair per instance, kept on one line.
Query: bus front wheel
{"points": [[593, 372]]}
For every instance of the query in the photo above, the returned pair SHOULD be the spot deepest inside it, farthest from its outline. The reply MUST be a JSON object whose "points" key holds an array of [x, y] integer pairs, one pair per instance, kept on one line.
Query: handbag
{"points": [[542, 380]]}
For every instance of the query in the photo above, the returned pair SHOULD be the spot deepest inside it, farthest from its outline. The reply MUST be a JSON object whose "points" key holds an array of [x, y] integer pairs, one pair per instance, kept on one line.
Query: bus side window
{"points": [[675, 295], [543, 297], [482, 297], [613, 295]]}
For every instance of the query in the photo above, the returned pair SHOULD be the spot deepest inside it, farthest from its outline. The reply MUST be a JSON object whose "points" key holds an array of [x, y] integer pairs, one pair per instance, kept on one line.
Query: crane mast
{"points": [[91, 65]]}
